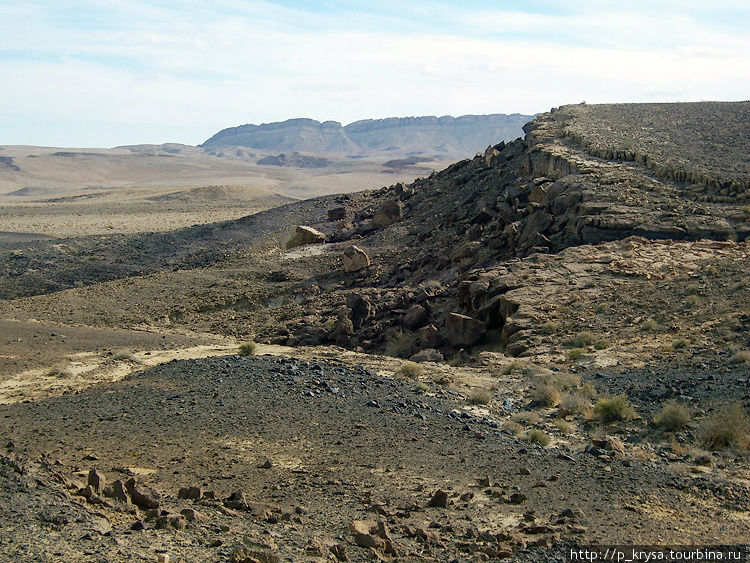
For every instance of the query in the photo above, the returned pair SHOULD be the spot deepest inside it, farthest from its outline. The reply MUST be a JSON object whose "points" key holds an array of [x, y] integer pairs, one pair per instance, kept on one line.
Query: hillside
{"points": [[434, 137], [576, 303]]}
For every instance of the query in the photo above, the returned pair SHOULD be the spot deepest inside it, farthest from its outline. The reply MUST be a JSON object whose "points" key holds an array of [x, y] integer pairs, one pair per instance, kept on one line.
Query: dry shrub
{"points": [[587, 390], [525, 417], [564, 381], [400, 344], [611, 409], [546, 395], [673, 416], [583, 339], [512, 427], [550, 327], [728, 427], [575, 403], [575, 353], [536, 436], [563, 426], [508, 369], [602, 344], [411, 370], [680, 343], [247, 348], [480, 397]]}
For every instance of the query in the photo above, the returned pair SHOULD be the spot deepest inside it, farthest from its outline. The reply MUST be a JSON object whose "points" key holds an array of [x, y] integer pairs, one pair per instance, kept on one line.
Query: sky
{"points": [[102, 73]]}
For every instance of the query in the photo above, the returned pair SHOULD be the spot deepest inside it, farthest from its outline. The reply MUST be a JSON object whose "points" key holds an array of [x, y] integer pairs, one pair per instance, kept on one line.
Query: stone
{"points": [[355, 259], [190, 493], [372, 534], [95, 480], [439, 499], [361, 309], [518, 498], [415, 317], [117, 491], [337, 213], [427, 355], [142, 497], [305, 235], [389, 213], [429, 336], [462, 331], [192, 515]]}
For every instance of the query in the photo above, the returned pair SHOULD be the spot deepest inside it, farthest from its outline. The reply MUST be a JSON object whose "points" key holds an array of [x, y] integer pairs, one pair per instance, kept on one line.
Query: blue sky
{"points": [[110, 72]]}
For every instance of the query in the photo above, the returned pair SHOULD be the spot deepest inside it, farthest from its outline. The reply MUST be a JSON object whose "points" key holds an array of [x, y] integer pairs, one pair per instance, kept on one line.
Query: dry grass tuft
{"points": [[536, 436], [729, 427], [583, 339], [546, 395], [575, 353], [743, 356], [410, 370], [480, 397], [673, 416], [575, 403], [400, 344]]}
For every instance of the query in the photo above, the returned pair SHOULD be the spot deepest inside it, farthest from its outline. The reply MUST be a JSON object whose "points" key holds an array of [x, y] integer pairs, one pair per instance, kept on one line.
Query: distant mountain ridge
{"points": [[446, 136]]}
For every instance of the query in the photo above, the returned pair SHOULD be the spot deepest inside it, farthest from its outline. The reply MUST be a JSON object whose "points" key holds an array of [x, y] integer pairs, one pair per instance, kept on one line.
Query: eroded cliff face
{"points": [[445, 137]]}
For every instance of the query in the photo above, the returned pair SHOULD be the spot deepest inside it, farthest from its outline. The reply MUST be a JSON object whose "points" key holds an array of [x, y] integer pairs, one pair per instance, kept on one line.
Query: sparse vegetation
{"points": [[574, 403], [546, 395], [564, 381], [563, 426], [575, 353], [550, 327], [480, 397], [612, 409], [728, 427], [410, 369], [602, 344], [583, 339], [525, 417], [422, 386], [509, 368], [511, 427], [400, 344], [680, 343], [673, 416], [649, 326], [537, 436], [247, 348], [588, 390]]}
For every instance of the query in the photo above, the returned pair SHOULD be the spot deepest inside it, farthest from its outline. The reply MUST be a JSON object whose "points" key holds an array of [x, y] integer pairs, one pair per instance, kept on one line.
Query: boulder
{"points": [[415, 317], [461, 330], [427, 355], [142, 497], [355, 259], [389, 213], [95, 480], [336, 214], [361, 309], [439, 499], [429, 336], [117, 491], [305, 235]]}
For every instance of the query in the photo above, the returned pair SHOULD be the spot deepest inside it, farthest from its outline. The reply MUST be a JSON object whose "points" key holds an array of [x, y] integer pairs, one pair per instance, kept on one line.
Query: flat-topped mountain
{"points": [[446, 136]]}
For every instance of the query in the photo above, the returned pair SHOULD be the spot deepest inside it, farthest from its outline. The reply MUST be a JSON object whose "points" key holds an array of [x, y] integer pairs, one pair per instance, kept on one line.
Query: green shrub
{"points": [[410, 369], [400, 344], [584, 339], [680, 343], [611, 409], [247, 348], [537, 437], [575, 353], [546, 395], [673, 416], [602, 344], [729, 426]]}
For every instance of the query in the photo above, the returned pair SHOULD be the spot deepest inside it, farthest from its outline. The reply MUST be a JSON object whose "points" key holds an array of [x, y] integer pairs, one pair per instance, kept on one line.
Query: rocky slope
{"points": [[529, 281], [443, 137]]}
